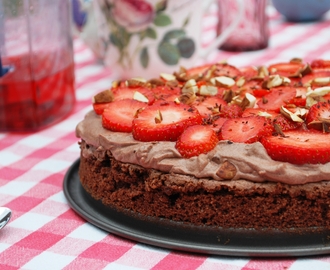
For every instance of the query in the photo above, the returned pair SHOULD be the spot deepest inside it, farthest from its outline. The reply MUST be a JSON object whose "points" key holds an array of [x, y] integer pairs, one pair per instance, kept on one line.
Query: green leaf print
{"points": [[162, 20], [174, 34], [151, 33], [186, 47], [169, 53], [120, 38], [144, 57]]}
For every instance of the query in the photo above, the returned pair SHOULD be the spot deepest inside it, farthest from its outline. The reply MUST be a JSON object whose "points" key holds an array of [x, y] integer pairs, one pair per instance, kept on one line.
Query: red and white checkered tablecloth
{"points": [[45, 233]]}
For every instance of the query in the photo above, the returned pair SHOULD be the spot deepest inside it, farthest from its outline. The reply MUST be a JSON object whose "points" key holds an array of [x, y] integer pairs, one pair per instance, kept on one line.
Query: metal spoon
{"points": [[5, 215]]}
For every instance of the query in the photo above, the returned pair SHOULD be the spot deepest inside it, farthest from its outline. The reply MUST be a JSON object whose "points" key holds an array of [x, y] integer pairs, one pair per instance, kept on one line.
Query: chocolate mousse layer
{"points": [[202, 201], [226, 161]]}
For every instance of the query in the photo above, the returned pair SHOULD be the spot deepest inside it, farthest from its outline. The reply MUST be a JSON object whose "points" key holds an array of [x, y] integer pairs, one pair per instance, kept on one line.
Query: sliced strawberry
{"points": [[299, 147], [164, 122], [286, 69], [298, 101], [318, 116], [209, 105], [284, 123], [275, 118], [198, 70], [259, 93], [319, 64], [196, 140], [231, 111], [118, 115], [217, 123], [276, 98], [249, 72], [259, 112], [246, 129], [99, 107], [133, 92], [165, 92], [309, 79], [224, 69], [253, 84]]}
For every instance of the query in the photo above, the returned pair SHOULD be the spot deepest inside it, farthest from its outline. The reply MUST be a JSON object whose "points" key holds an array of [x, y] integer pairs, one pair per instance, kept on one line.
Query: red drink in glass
{"points": [[28, 103], [37, 66]]}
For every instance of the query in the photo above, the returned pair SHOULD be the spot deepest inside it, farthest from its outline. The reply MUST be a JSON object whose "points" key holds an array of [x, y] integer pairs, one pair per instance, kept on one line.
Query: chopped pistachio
{"points": [[249, 101], [176, 100], [158, 117], [264, 114], [208, 90], [224, 81], [263, 72], [228, 95], [140, 97], [240, 82], [167, 77], [317, 92], [322, 81], [103, 97], [190, 86], [288, 114], [136, 82], [274, 80]]}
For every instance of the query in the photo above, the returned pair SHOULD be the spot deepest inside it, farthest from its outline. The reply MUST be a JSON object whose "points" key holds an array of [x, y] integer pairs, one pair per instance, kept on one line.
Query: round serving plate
{"points": [[184, 237]]}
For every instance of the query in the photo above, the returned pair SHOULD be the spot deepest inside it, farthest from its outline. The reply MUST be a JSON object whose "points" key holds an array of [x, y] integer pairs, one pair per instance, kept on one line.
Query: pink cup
{"points": [[252, 32]]}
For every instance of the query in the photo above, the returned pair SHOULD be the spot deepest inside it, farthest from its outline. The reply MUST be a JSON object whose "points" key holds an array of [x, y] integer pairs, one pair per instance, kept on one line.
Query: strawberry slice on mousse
{"points": [[196, 140], [138, 93], [299, 147], [164, 122], [288, 69], [277, 97], [209, 105], [118, 116], [318, 116], [246, 129]]}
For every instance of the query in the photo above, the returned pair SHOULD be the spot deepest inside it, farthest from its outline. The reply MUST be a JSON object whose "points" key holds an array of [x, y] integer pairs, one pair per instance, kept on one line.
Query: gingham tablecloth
{"points": [[45, 233]]}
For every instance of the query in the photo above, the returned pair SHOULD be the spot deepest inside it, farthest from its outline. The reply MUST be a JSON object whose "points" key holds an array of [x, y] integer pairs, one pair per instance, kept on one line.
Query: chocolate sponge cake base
{"points": [[227, 204]]}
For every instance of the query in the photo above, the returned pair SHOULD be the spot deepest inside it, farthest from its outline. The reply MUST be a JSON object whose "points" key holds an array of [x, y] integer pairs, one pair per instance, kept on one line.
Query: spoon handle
{"points": [[5, 215]]}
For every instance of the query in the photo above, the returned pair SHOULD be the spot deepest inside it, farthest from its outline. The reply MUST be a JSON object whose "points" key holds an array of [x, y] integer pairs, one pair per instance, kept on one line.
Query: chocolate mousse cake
{"points": [[214, 145]]}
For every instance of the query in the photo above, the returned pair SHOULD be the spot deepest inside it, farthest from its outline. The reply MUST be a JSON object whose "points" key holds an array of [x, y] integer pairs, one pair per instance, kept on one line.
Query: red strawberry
{"points": [[231, 111], [224, 69], [298, 101], [129, 92], [246, 129], [196, 140], [217, 123], [118, 115], [99, 107], [286, 69], [259, 112], [299, 147], [251, 85], [165, 92], [259, 93], [164, 122], [285, 123], [319, 64], [249, 72], [198, 70], [209, 105], [276, 98], [314, 75], [275, 117], [319, 115]]}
